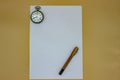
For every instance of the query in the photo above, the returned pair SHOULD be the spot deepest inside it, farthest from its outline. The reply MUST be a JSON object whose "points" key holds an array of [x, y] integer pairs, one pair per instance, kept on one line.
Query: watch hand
{"points": [[34, 17]]}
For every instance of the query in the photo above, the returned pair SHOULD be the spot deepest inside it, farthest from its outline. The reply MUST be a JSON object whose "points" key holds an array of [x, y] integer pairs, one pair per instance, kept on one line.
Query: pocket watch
{"points": [[37, 16]]}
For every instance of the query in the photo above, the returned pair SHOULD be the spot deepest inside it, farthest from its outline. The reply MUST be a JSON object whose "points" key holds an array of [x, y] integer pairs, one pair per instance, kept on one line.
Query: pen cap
{"points": [[74, 51]]}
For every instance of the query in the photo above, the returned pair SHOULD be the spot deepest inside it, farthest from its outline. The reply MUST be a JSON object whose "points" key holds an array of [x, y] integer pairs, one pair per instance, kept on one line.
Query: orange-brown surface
{"points": [[101, 38]]}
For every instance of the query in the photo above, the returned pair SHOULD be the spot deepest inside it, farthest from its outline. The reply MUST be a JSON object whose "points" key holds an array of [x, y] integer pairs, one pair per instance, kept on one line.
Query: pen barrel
{"points": [[70, 57]]}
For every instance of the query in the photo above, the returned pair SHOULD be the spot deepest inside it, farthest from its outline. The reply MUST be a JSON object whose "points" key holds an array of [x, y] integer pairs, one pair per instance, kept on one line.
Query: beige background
{"points": [[101, 38]]}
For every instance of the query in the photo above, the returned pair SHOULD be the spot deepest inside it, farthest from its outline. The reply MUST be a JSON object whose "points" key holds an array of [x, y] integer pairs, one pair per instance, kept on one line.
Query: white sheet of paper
{"points": [[52, 41]]}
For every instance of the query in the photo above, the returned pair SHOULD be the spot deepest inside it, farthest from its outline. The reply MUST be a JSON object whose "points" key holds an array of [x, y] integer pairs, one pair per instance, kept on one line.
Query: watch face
{"points": [[37, 16]]}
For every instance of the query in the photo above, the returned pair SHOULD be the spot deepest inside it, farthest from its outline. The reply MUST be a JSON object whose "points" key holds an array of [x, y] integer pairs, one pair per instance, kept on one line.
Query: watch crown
{"points": [[37, 8]]}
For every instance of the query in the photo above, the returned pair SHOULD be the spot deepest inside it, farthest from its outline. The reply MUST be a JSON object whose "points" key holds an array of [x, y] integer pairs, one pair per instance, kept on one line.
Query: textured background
{"points": [[101, 38]]}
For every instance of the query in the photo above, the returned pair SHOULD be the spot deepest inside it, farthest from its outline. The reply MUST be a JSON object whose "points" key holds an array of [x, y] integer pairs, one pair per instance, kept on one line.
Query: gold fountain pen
{"points": [[75, 50]]}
